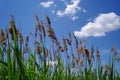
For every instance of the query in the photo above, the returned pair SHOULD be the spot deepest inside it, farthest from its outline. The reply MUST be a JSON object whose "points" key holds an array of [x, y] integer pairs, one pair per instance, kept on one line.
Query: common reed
{"points": [[70, 59]]}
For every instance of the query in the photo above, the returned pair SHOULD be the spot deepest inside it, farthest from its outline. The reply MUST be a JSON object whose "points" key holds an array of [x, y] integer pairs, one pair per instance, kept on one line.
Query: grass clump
{"points": [[65, 60]]}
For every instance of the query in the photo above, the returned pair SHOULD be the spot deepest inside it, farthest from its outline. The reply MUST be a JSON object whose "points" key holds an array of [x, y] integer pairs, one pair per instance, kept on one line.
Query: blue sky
{"points": [[98, 20]]}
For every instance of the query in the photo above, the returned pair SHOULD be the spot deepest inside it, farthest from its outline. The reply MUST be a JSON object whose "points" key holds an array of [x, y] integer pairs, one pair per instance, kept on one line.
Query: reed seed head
{"points": [[81, 62], [2, 37], [48, 20], [107, 67], [98, 54], [38, 49]]}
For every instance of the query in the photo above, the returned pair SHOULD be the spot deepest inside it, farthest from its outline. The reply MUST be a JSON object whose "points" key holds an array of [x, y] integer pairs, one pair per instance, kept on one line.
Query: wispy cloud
{"points": [[84, 10], [53, 11], [47, 4], [74, 18], [70, 10], [63, 0], [100, 26]]}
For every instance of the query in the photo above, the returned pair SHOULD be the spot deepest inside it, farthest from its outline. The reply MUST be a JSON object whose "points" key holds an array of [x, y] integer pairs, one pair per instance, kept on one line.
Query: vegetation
{"points": [[32, 59]]}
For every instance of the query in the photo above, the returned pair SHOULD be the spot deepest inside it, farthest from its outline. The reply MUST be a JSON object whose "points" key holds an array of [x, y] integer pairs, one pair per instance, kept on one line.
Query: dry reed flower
{"points": [[59, 48], [26, 44], [107, 67], [56, 57], [73, 65], [115, 53], [69, 40], [113, 49], [51, 34], [67, 56], [12, 22], [69, 34], [86, 52], [25, 49], [36, 32], [98, 54], [27, 39], [74, 60], [2, 37], [36, 17], [40, 26], [64, 44], [38, 49], [6, 31], [76, 42], [43, 29], [118, 59], [73, 55], [92, 51], [81, 62], [107, 73], [13, 28], [36, 43], [62, 50], [80, 50], [46, 52], [48, 20]]}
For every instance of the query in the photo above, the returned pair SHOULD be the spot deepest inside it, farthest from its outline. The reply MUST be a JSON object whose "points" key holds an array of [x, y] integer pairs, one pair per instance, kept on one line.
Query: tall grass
{"points": [[65, 60]]}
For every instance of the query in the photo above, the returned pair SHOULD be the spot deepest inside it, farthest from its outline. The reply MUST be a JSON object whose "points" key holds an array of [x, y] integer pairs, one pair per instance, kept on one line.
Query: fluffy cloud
{"points": [[46, 4], [71, 9], [100, 26]]}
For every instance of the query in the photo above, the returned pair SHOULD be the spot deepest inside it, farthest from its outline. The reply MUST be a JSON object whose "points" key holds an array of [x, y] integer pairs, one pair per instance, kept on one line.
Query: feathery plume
{"points": [[98, 54], [2, 37], [48, 20]]}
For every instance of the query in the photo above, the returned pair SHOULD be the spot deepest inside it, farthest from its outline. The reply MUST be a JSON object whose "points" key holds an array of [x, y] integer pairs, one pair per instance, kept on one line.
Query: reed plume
{"points": [[13, 30], [40, 26], [97, 54], [51, 33], [2, 37]]}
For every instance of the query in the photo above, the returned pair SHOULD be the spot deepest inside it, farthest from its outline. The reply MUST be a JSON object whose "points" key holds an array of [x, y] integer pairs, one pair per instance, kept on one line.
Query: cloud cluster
{"points": [[71, 9], [100, 26], [46, 4]]}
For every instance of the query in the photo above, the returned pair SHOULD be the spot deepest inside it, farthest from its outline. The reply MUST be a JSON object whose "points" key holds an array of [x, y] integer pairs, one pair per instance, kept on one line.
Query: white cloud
{"points": [[84, 10], [74, 18], [53, 11], [71, 9], [65, 2], [46, 4], [100, 26], [90, 19]]}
